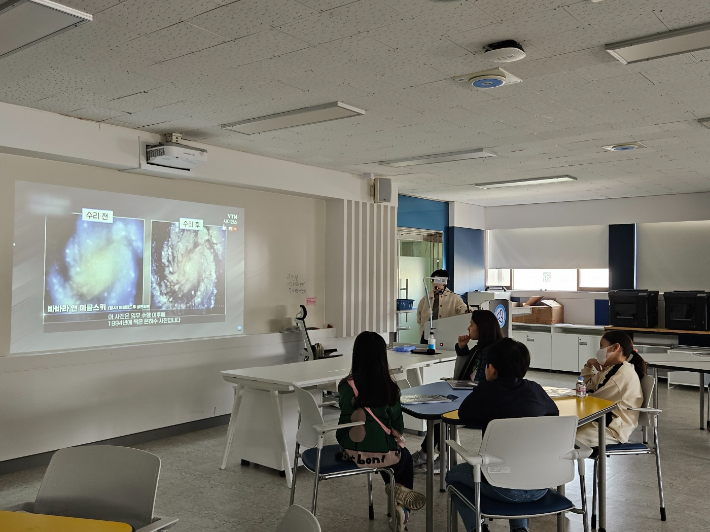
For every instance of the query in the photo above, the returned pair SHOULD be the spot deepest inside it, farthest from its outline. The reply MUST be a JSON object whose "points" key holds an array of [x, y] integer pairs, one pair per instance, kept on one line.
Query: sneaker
{"points": [[419, 458], [437, 468], [413, 500]]}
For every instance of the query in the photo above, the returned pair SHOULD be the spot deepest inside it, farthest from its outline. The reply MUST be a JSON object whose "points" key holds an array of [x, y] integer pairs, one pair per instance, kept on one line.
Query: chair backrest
{"points": [[532, 451], [307, 436], [647, 384], [298, 519], [100, 482]]}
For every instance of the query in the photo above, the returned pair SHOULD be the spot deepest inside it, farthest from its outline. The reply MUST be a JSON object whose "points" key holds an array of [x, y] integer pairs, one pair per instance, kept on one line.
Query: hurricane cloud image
{"points": [[91, 262], [187, 270]]}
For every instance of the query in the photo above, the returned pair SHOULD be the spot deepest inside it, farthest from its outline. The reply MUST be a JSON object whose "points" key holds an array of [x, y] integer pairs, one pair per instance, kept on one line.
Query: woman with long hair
{"points": [[615, 374], [470, 362], [370, 394]]}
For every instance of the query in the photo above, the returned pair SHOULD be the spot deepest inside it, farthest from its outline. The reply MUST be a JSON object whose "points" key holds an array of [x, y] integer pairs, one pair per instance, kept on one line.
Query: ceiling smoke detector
{"points": [[488, 79], [626, 146], [504, 52]]}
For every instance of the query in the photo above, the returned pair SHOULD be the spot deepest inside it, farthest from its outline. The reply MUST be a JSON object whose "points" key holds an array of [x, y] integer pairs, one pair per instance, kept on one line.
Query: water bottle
{"points": [[581, 387], [431, 347]]}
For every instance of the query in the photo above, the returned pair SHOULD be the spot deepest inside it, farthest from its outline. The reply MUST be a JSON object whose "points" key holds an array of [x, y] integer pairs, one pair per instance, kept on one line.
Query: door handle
{"points": [[530, 339]]}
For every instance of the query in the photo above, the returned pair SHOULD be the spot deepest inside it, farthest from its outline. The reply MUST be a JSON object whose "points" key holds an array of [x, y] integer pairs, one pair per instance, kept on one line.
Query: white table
{"points": [[264, 416], [681, 360]]}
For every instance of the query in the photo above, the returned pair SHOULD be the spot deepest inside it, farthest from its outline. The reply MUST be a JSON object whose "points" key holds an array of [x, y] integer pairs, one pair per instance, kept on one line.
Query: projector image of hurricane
{"points": [[91, 262], [187, 271]]}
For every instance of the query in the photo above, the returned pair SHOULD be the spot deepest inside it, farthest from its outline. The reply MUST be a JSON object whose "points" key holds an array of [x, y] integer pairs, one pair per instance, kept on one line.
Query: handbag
{"points": [[398, 437]]}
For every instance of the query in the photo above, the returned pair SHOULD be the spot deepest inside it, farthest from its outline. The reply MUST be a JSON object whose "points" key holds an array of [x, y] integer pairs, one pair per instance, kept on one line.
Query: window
{"points": [[547, 279], [594, 279], [499, 277]]}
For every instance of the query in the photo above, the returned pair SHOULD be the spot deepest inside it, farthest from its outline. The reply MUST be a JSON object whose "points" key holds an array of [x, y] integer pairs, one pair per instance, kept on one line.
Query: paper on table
{"points": [[422, 399], [553, 391]]}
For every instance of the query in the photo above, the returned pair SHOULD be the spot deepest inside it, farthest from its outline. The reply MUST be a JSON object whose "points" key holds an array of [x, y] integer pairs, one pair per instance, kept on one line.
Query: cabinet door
{"points": [[565, 352], [540, 346], [519, 336], [588, 347]]}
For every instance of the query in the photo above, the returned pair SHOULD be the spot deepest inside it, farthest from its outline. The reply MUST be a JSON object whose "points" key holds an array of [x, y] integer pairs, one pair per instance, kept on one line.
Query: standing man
{"points": [[444, 303]]}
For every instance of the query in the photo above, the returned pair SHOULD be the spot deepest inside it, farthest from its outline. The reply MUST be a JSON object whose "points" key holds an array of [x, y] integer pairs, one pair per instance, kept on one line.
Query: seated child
{"points": [[504, 394], [370, 394]]}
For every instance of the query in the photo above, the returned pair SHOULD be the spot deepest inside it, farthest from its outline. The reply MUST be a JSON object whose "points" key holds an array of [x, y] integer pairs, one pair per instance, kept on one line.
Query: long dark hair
{"points": [[488, 327], [627, 346], [371, 372]]}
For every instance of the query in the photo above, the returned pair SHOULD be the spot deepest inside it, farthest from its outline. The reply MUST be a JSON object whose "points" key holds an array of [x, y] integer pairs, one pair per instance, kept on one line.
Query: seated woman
{"points": [[504, 394], [370, 394], [470, 363], [615, 375]]}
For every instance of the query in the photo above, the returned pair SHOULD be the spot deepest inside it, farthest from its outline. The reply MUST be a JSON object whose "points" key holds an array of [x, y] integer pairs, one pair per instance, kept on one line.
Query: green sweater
{"points": [[376, 439]]}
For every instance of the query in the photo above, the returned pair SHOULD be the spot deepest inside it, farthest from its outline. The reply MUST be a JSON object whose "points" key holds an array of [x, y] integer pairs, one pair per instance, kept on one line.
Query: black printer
{"points": [[687, 310], [633, 308]]}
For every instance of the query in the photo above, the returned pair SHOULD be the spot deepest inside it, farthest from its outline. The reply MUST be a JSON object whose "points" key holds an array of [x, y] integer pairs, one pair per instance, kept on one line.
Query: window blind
{"points": [[549, 247], [673, 256]]}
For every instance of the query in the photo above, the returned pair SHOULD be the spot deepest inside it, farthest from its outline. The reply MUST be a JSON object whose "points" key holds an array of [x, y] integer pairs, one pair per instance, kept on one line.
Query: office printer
{"points": [[686, 310], [633, 308]]}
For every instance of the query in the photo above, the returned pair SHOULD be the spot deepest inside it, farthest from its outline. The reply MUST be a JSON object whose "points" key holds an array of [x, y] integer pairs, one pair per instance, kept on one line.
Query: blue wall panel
{"points": [[420, 213], [465, 259], [622, 256]]}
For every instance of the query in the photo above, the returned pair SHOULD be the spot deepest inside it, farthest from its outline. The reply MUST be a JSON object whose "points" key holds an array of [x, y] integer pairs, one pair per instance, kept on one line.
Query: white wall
{"points": [[671, 208], [466, 215]]}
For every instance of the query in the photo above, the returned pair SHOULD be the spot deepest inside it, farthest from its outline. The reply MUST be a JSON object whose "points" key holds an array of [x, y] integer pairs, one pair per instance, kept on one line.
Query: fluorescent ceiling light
{"points": [[299, 117], [27, 22], [439, 158], [662, 45], [523, 182]]}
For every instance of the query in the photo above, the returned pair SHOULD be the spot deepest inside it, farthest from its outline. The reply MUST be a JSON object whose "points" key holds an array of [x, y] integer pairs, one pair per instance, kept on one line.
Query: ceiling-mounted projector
{"points": [[488, 79], [504, 51], [174, 154]]}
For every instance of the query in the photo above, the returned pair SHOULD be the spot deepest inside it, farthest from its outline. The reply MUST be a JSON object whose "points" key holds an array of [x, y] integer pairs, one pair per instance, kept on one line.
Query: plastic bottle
{"points": [[431, 347], [581, 387]]}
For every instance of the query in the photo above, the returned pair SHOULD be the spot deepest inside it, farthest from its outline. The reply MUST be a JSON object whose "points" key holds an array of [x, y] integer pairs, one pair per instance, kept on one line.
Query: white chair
{"points": [[320, 459], [648, 418], [522, 453], [298, 519], [101, 482]]}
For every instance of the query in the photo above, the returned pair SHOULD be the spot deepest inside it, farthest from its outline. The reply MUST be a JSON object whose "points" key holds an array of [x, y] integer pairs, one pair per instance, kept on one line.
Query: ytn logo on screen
{"points": [[500, 315]]}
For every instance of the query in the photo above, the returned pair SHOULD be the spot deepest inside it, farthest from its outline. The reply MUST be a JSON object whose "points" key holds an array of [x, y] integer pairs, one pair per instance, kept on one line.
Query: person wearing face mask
{"points": [[470, 364], [444, 304], [615, 374]]}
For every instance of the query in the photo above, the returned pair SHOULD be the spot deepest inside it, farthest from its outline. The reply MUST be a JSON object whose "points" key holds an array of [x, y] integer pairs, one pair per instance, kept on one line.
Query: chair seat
{"points": [[551, 503], [629, 447], [328, 463]]}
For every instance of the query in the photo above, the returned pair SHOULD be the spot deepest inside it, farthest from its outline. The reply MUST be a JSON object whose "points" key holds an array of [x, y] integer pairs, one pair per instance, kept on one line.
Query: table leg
{"points": [[430, 428], [561, 516], [453, 459], [443, 451], [285, 456], [702, 401], [602, 473], [655, 388], [238, 390]]}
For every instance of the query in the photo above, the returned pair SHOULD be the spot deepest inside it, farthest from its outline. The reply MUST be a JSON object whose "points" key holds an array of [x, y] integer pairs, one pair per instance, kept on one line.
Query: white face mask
{"points": [[602, 355]]}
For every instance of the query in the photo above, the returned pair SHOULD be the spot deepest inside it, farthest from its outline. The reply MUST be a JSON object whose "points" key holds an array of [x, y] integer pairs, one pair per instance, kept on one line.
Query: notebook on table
{"points": [[461, 384], [553, 391]]}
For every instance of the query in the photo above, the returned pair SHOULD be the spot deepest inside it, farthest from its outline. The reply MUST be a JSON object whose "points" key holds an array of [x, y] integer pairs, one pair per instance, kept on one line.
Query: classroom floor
{"points": [[206, 499]]}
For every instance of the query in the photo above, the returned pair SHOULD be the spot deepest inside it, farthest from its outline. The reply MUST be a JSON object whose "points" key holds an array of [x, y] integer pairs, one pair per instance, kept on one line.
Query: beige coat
{"points": [[450, 304], [624, 388]]}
